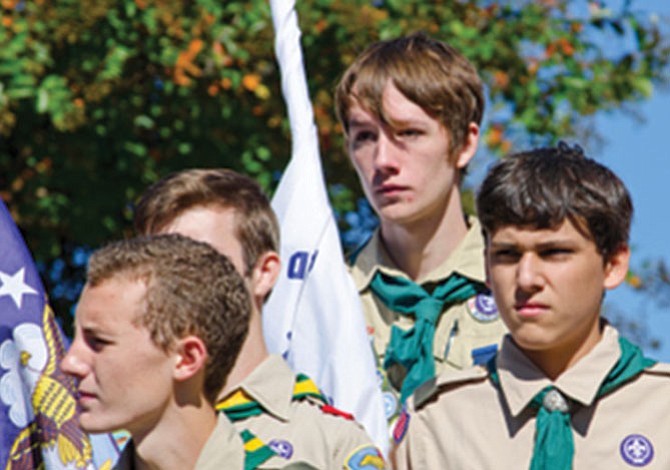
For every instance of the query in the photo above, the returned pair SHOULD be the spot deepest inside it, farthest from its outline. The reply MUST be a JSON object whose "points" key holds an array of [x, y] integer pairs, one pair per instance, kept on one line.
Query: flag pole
{"points": [[314, 315]]}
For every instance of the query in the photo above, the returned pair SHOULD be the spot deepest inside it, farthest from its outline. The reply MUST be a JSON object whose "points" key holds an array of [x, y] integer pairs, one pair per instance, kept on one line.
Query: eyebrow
{"points": [[359, 123], [546, 244]]}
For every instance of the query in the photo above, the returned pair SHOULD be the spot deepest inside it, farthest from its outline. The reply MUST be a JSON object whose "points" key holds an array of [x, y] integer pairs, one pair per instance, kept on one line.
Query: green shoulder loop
{"points": [[424, 392]]}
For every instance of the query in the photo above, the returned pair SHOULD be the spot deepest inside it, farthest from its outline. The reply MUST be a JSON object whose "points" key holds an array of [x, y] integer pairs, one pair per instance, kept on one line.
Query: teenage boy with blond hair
{"points": [[566, 390], [262, 394], [158, 327]]}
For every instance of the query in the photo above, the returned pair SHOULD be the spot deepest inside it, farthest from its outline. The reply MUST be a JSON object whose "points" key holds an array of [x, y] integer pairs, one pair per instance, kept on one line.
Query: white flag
{"points": [[314, 316]]}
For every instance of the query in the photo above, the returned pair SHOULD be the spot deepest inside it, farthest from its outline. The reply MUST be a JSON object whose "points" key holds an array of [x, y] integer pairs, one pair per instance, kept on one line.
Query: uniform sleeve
{"points": [[355, 450], [401, 457]]}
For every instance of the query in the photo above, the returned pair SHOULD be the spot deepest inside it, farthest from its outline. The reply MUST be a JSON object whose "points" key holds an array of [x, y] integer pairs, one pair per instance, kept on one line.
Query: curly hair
{"points": [[191, 289]]}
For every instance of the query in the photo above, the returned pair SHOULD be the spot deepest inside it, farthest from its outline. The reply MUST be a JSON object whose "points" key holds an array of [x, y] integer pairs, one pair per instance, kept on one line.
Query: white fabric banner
{"points": [[314, 316]]}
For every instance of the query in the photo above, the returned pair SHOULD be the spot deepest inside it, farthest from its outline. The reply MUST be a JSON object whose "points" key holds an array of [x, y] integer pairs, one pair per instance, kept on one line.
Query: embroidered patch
{"points": [[390, 404], [365, 458], [401, 426], [331, 410], [483, 308], [636, 450], [482, 355], [282, 448]]}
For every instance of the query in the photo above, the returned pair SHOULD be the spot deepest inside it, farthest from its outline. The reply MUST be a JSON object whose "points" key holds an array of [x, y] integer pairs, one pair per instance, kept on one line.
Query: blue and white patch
{"points": [[366, 457], [390, 404], [282, 448], [481, 356], [636, 450], [483, 308]]}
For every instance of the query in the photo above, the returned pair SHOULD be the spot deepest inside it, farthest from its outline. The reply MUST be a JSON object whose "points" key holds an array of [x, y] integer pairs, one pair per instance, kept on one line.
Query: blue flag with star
{"points": [[38, 410]]}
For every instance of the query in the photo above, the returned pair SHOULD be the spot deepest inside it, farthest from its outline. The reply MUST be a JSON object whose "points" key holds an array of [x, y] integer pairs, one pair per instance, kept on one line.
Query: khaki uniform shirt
{"points": [[223, 449], [466, 422], [302, 430], [462, 330]]}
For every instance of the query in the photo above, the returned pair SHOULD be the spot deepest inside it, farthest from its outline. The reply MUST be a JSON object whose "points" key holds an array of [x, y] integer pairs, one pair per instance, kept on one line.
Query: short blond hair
{"points": [[191, 289]]}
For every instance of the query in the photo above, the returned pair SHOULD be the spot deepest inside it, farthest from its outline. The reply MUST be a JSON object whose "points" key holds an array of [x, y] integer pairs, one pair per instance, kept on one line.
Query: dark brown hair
{"points": [[540, 188]]}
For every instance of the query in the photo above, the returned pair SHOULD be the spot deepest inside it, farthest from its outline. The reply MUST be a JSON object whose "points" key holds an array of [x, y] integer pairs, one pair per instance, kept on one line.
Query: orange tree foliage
{"points": [[100, 98]]}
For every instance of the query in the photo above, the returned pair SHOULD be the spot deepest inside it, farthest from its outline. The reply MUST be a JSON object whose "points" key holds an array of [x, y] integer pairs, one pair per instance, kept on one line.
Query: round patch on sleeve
{"points": [[365, 458], [401, 426], [282, 448], [636, 450], [483, 308]]}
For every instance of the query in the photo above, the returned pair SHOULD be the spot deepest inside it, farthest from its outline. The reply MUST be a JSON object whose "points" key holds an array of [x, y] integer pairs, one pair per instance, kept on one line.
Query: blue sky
{"points": [[639, 153]]}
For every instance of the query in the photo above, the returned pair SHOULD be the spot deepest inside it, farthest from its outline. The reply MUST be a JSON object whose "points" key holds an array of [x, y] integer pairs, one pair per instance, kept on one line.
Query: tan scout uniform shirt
{"points": [[465, 423], [461, 328], [300, 430], [223, 449]]}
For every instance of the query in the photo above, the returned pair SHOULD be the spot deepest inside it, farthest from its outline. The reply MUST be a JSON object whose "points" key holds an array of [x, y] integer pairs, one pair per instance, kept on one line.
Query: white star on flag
{"points": [[15, 287]]}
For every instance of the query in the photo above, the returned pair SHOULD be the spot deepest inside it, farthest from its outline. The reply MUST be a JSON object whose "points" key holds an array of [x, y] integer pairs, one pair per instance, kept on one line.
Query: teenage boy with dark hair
{"points": [[262, 394], [565, 390], [411, 108], [158, 327]]}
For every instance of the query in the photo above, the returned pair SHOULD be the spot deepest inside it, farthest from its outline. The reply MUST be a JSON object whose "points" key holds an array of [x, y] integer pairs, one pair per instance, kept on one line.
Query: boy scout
{"points": [[262, 394], [411, 109], [149, 356], [565, 391]]}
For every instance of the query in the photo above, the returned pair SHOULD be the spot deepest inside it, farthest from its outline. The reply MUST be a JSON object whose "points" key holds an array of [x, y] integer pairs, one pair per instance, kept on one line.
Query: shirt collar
{"points": [[223, 449], [271, 384], [521, 380], [466, 259]]}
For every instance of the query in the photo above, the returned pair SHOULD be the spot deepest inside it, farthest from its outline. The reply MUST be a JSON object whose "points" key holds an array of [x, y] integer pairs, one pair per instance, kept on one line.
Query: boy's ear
{"points": [[469, 148], [191, 356], [616, 268], [265, 274]]}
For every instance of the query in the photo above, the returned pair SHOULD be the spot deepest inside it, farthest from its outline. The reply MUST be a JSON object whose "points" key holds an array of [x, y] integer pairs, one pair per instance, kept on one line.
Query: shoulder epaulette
{"points": [[432, 387]]}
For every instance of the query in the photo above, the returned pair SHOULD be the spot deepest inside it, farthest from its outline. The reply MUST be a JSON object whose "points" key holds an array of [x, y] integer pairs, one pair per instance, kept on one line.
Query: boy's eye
{"points": [[505, 255], [555, 252], [409, 133], [96, 343], [363, 136]]}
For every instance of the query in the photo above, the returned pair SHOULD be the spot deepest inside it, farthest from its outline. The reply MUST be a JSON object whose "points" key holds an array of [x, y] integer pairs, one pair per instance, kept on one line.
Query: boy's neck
{"points": [[253, 352], [556, 361], [178, 438], [420, 247]]}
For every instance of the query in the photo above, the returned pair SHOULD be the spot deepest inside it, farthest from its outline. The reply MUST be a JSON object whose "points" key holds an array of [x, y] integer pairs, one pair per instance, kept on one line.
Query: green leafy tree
{"points": [[100, 98]]}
